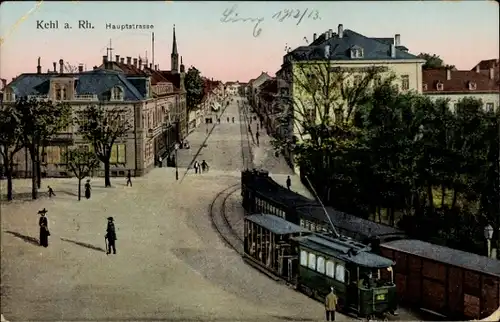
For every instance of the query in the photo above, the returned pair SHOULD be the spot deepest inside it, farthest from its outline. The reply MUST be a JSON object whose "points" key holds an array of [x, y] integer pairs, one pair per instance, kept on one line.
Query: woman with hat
{"points": [[87, 189], [43, 222]]}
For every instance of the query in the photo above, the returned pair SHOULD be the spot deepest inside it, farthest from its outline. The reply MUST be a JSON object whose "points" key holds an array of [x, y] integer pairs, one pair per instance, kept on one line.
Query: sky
{"points": [[462, 33]]}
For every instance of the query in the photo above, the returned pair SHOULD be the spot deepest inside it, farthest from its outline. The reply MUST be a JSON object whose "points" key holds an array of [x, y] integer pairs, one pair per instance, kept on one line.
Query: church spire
{"points": [[174, 57]]}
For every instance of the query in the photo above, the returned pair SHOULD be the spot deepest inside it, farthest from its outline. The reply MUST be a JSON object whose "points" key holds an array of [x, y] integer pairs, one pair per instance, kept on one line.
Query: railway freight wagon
{"points": [[261, 194], [447, 281]]}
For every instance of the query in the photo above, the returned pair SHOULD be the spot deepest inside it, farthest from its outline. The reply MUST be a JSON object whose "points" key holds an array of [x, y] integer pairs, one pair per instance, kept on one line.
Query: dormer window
{"points": [[472, 86], [356, 52], [424, 87], [439, 86], [117, 93], [58, 93], [9, 95]]}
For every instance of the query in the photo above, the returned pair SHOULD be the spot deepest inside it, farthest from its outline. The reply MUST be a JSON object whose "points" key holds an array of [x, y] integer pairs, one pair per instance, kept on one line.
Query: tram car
{"points": [[313, 262], [262, 194]]}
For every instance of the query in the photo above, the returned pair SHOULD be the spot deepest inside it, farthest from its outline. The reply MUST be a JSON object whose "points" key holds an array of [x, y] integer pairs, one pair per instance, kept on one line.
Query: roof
{"points": [[268, 89], [373, 48], [345, 250], [172, 77], [156, 76], [458, 82], [275, 224], [446, 255], [98, 82], [487, 64]]}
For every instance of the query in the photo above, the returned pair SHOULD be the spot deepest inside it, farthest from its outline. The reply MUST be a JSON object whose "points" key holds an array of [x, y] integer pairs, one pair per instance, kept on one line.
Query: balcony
{"points": [[86, 97], [38, 97]]}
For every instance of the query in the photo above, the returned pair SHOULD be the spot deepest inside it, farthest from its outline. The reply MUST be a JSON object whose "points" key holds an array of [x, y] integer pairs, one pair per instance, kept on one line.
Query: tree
{"points": [[81, 162], [102, 126], [40, 120], [194, 88], [433, 61], [10, 143]]}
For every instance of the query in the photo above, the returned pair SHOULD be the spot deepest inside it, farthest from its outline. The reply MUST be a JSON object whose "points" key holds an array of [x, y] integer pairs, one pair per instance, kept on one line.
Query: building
{"points": [[489, 66], [267, 108], [254, 86], [343, 51], [232, 88], [457, 84], [153, 102]]}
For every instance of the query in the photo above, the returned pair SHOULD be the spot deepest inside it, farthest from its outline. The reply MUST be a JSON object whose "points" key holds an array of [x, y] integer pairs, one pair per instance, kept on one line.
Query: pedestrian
{"points": [[43, 222], [129, 178], [51, 192], [196, 166], [87, 189], [111, 236], [160, 162], [331, 305], [204, 166], [288, 182]]}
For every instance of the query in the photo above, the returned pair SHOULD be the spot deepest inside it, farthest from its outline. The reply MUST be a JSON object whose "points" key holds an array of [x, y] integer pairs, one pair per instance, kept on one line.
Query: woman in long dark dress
{"points": [[87, 189], [44, 228]]}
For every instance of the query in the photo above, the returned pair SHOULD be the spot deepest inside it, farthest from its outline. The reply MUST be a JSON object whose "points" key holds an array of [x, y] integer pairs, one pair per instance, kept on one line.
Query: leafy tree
{"points": [[10, 143], [433, 61], [40, 120], [81, 162], [194, 88], [102, 126]]}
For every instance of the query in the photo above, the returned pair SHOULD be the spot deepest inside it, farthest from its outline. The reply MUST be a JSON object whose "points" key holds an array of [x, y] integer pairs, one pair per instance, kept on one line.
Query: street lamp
{"points": [[488, 234], [176, 166]]}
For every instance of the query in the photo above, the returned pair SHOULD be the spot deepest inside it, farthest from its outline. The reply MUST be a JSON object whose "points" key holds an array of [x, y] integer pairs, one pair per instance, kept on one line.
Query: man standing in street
{"points": [[129, 178], [288, 182], [330, 305], [111, 236]]}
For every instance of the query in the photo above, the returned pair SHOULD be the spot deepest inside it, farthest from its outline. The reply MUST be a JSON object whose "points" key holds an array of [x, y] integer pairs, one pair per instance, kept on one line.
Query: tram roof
{"points": [[342, 250], [275, 224], [446, 255]]}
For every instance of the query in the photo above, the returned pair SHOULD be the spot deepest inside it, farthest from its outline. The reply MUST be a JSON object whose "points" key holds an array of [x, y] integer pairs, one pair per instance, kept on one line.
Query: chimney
{"points": [[315, 36], [135, 62], [117, 58], [4, 83], [38, 67], [478, 69], [330, 33], [129, 60], [122, 60], [80, 68], [448, 73], [492, 73], [341, 31], [55, 67], [393, 51], [397, 40], [140, 63], [95, 68], [61, 66]]}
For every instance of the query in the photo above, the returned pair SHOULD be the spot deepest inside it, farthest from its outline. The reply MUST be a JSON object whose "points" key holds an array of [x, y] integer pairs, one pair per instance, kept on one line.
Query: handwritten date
{"points": [[298, 14]]}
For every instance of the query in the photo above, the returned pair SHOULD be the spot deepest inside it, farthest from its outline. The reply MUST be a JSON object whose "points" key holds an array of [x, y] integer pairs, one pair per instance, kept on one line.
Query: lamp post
{"points": [[488, 234], [176, 166]]}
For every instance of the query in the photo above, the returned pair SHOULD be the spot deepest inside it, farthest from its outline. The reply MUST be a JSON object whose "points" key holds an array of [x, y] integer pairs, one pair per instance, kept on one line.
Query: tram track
{"points": [[220, 221]]}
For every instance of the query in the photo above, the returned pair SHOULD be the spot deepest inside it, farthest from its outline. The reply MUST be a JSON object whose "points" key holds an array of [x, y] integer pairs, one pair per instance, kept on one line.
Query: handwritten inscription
{"points": [[297, 14], [232, 15]]}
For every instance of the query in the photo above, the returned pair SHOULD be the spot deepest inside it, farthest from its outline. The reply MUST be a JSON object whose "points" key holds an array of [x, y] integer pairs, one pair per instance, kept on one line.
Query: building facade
{"points": [[345, 52], [455, 85], [254, 87], [153, 103]]}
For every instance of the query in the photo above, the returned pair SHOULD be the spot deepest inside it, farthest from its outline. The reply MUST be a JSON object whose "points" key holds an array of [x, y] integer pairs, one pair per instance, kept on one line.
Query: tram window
{"points": [[313, 226], [320, 265], [312, 261], [303, 258], [330, 269], [302, 223], [340, 273]]}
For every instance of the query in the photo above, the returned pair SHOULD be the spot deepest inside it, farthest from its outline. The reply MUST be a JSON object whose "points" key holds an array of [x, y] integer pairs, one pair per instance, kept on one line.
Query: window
{"points": [[472, 86], [405, 82], [303, 258], [311, 115], [55, 155], [357, 53], [490, 107], [424, 87], [118, 154], [58, 94], [320, 265], [9, 95], [377, 80], [340, 273], [312, 261], [302, 223], [63, 94], [117, 93], [455, 107], [330, 269], [439, 86]]}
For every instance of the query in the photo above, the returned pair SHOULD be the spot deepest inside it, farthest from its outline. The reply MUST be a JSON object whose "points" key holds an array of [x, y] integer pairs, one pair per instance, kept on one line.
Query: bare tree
{"points": [[69, 68], [103, 126], [10, 143], [81, 161]]}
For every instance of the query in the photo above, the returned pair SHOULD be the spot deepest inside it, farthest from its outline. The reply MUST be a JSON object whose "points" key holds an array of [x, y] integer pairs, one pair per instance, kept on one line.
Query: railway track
{"points": [[220, 222]]}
